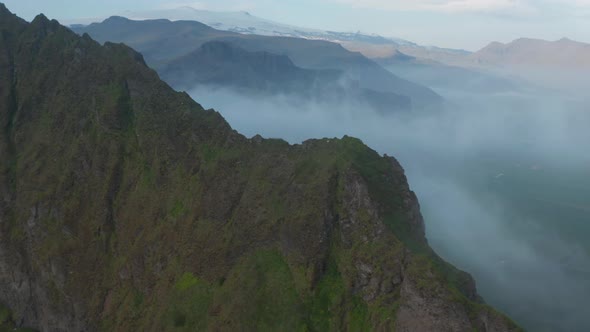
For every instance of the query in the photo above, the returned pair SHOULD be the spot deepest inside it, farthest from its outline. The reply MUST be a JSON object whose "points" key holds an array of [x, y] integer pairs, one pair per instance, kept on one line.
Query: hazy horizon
{"points": [[494, 20]]}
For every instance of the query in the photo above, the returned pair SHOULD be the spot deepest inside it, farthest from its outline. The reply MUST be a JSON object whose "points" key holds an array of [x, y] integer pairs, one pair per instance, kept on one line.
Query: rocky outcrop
{"points": [[127, 206]]}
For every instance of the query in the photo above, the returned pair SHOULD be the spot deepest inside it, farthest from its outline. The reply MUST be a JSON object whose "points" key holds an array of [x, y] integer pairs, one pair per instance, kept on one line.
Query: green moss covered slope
{"points": [[125, 206]]}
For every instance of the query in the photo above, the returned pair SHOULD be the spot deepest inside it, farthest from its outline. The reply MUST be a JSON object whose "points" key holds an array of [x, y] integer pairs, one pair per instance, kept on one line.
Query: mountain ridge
{"points": [[369, 44], [162, 42], [244, 22], [223, 65], [127, 206]]}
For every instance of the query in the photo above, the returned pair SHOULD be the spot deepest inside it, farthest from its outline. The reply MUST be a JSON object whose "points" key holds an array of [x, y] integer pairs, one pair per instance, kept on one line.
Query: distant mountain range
{"points": [[524, 51], [562, 65], [370, 45], [563, 53], [442, 77], [496, 68], [167, 45], [244, 22], [221, 64], [521, 65]]}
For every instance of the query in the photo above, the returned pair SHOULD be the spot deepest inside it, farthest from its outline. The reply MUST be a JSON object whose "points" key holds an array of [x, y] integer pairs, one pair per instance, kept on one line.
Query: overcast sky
{"points": [[468, 24]]}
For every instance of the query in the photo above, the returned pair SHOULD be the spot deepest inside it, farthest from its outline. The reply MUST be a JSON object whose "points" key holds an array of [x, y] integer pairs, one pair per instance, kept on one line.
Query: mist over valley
{"points": [[503, 182], [172, 168]]}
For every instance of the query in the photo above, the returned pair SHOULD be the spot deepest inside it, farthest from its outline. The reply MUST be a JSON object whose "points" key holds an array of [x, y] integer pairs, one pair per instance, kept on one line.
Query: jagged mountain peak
{"points": [[40, 19], [42, 22]]}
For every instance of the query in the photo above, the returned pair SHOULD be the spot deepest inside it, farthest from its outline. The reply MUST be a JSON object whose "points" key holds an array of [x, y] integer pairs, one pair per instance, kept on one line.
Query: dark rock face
{"points": [[127, 206]]}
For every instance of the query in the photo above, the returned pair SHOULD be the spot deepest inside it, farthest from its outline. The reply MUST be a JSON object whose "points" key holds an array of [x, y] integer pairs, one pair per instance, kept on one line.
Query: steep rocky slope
{"points": [[125, 206]]}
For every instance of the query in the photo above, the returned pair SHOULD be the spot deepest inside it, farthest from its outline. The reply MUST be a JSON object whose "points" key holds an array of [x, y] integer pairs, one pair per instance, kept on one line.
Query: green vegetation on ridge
{"points": [[130, 207]]}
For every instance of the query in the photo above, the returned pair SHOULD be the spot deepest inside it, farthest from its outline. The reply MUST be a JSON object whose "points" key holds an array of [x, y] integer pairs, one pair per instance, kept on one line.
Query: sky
{"points": [[464, 24]]}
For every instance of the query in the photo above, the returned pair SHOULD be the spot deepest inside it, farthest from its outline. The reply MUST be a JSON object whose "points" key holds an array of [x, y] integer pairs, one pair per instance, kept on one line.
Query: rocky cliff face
{"points": [[126, 206]]}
